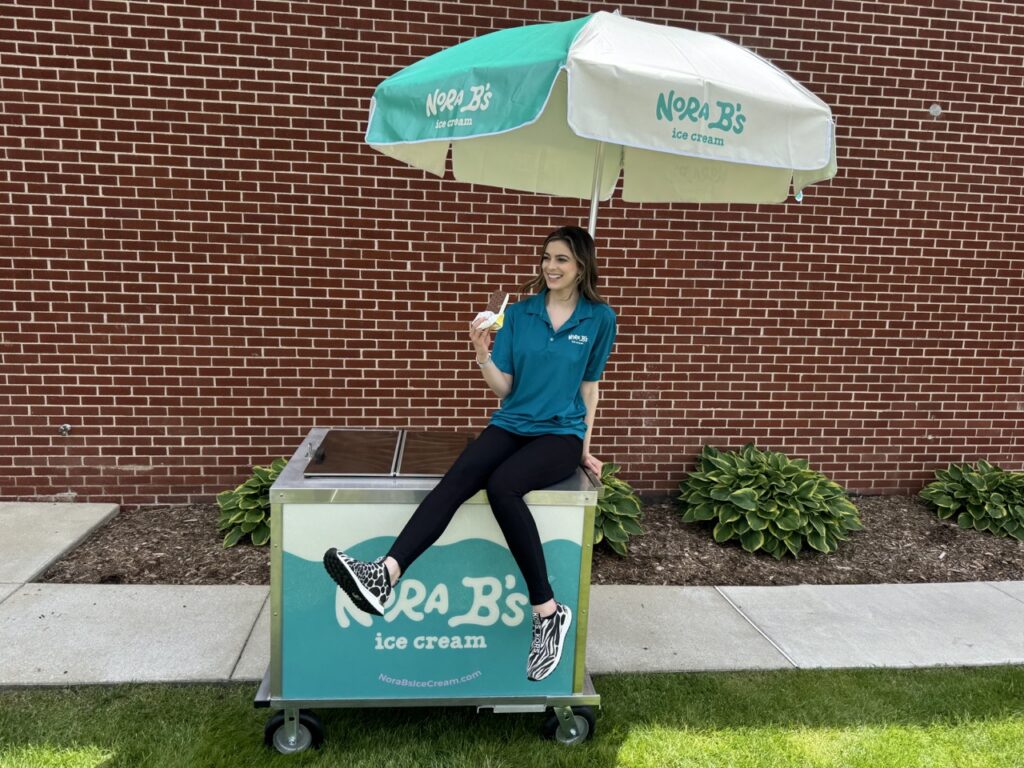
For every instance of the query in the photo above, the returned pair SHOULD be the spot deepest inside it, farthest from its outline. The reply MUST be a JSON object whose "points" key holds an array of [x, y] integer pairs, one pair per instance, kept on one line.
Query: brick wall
{"points": [[200, 260]]}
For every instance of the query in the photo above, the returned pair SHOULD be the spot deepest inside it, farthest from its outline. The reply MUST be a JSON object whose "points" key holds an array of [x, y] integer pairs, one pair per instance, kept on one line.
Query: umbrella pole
{"points": [[595, 190]]}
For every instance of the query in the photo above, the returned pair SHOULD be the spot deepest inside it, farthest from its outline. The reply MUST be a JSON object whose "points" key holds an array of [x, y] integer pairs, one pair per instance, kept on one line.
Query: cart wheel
{"points": [[309, 732], [584, 722]]}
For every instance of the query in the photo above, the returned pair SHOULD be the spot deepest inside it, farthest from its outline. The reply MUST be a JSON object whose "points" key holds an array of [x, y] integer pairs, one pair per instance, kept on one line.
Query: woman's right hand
{"points": [[481, 338]]}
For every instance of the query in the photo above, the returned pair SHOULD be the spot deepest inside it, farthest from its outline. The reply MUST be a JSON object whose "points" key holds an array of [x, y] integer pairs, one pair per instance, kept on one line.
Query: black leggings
{"points": [[508, 466]]}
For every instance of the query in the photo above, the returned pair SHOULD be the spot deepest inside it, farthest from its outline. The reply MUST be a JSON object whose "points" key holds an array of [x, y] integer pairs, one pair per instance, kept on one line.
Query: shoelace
{"points": [[537, 642]]}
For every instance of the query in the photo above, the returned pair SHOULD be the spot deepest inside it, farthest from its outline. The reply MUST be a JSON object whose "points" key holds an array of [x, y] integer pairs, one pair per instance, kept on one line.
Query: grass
{"points": [[962, 718]]}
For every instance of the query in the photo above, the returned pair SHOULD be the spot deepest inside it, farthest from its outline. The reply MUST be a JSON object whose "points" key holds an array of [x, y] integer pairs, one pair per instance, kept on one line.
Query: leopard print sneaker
{"points": [[368, 585]]}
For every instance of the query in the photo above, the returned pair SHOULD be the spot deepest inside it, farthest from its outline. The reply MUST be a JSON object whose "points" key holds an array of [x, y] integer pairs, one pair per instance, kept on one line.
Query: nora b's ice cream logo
{"points": [[728, 116], [455, 101], [490, 601]]}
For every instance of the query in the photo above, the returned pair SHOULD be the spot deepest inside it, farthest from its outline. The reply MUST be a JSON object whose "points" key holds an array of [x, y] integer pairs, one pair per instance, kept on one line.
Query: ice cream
{"points": [[494, 316]]}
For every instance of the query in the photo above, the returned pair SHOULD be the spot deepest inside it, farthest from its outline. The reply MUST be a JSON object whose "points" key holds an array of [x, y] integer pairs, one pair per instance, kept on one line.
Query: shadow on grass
{"points": [[213, 726]]}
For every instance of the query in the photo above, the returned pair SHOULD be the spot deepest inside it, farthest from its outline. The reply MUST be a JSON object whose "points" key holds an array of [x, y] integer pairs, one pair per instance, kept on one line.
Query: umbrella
{"points": [[564, 108]]}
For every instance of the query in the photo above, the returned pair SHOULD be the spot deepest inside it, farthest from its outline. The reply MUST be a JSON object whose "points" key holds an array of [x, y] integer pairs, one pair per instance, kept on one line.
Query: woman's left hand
{"points": [[592, 463]]}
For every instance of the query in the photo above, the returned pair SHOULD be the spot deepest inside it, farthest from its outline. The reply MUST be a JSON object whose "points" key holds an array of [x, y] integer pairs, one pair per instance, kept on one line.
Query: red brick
{"points": [[191, 231]]}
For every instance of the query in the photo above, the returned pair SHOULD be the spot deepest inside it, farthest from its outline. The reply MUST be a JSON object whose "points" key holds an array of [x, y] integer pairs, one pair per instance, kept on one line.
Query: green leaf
{"points": [[745, 498], [752, 540], [233, 537], [806, 489], [723, 463], [631, 526], [613, 532], [720, 493], [618, 547], [703, 512], [789, 521], [261, 535], [723, 532], [995, 510], [227, 497], [976, 480], [254, 516], [817, 541], [628, 506], [729, 513], [756, 522]]}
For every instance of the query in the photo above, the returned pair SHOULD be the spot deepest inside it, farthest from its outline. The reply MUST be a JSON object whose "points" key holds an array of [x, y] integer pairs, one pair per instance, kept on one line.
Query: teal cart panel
{"points": [[458, 625]]}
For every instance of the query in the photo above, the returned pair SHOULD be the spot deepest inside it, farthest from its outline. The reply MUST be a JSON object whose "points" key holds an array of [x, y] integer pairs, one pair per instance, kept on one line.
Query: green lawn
{"points": [[871, 718]]}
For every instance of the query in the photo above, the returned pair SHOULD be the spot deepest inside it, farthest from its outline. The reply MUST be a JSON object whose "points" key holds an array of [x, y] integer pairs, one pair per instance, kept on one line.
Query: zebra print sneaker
{"points": [[368, 585], [548, 640]]}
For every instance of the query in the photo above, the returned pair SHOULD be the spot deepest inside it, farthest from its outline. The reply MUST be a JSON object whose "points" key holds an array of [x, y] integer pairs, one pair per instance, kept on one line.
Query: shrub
{"points": [[246, 509], [618, 511], [767, 501], [985, 498]]}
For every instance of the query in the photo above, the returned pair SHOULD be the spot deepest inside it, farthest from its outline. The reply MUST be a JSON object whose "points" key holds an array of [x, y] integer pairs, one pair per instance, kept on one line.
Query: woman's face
{"points": [[559, 266]]}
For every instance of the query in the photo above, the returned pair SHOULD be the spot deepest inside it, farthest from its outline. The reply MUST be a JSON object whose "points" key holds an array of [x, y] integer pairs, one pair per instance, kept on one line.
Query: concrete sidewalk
{"points": [[58, 634]]}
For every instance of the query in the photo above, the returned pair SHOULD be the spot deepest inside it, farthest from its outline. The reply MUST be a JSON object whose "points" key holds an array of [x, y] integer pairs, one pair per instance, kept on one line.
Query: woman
{"points": [[545, 366]]}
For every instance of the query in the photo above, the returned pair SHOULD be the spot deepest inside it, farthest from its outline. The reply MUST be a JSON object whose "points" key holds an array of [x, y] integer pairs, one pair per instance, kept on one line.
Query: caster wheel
{"points": [[585, 723], [309, 732]]}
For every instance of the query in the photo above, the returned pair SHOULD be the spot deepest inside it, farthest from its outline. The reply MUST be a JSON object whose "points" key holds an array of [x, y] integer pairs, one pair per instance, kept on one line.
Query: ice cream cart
{"points": [[457, 630]]}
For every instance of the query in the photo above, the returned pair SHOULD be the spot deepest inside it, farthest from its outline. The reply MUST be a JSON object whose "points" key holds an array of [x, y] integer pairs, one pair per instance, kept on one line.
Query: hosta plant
{"points": [[982, 497], [767, 501], [618, 511], [246, 510]]}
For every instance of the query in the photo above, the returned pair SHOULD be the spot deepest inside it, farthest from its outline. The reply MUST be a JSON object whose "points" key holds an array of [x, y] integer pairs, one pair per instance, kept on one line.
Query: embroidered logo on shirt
{"points": [[575, 338]]}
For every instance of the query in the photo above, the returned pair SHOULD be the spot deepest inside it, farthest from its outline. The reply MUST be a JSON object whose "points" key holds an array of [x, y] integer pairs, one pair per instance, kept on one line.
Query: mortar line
{"points": [[760, 631]]}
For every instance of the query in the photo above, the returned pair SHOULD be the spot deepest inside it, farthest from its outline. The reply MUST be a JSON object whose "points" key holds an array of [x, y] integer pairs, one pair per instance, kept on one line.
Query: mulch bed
{"points": [[903, 542]]}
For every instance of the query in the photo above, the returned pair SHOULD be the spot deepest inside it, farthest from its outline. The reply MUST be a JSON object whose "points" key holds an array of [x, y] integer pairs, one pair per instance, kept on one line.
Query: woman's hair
{"points": [[582, 246]]}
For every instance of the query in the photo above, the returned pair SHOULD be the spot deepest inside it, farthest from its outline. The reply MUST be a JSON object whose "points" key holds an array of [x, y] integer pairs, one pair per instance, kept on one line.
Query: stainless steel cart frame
{"points": [[294, 729]]}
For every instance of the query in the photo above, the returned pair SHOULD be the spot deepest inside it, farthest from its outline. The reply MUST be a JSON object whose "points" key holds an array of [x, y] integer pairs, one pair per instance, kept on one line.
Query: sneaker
{"points": [[548, 640], [368, 585]]}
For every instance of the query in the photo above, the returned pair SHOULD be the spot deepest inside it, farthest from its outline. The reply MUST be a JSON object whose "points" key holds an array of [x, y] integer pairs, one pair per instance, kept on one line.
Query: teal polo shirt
{"points": [[547, 368]]}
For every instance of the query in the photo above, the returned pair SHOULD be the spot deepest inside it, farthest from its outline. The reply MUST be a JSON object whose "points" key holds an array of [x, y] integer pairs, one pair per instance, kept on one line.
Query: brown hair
{"points": [[582, 246]]}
